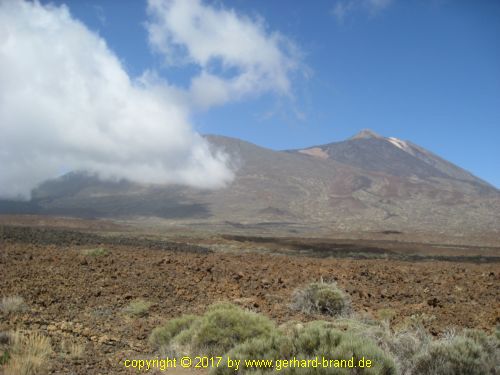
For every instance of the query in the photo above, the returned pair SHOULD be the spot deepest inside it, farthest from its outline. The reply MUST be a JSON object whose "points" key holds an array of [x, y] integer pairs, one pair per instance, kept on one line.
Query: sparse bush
{"points": [[12, 304], [28, 354], [138, 307], [321, 298], [97, 252]]}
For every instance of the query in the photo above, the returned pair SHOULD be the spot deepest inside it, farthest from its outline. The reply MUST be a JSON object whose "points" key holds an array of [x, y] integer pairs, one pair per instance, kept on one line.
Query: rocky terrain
{"points": [[74, 296]]}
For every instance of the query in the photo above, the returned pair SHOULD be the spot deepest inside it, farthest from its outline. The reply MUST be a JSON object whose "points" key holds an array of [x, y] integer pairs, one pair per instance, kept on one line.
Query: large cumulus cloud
{"points": [[67, 103]]}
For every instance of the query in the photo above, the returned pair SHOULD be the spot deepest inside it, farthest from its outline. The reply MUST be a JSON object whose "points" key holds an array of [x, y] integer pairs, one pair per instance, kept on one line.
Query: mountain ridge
{"points": [[449, 169], [362, 183]]}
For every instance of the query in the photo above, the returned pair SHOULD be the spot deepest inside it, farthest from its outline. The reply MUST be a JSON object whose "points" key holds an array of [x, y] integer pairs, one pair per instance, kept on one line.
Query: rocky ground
{"points": [[72, 296]]}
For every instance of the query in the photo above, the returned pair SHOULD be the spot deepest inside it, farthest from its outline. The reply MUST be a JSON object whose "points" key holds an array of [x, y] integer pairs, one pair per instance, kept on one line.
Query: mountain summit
{"points": [[367, 182], [374, 153], [366, 134]]}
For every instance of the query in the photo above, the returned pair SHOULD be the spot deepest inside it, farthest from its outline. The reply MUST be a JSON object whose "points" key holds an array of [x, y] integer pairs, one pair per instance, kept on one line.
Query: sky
{"points": [[282, 74]]}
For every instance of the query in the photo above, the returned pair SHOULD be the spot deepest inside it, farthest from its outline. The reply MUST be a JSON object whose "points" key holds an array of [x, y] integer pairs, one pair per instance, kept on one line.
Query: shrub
{"points": [[12, 304], [470, 352], [416, 352], [315, 339], [224, 326], [229, 331], [403, 344], [459, 355], [221, 327], [321, 298], [28, 354], [97, 252], [161, 336], [138, 307], [490, 344]]}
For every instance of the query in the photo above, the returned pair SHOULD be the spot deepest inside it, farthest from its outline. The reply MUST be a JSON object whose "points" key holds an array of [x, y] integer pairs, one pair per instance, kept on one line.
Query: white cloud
{"points": [[237, 56], [67, 103], [343, 8]]}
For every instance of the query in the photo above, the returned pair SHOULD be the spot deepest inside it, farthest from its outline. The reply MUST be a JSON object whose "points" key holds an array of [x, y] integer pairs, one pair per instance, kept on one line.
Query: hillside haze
{"points": [[367, 182]]}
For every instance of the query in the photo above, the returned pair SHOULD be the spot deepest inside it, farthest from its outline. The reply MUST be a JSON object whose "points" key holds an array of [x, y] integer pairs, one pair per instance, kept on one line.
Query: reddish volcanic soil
{"points": [[79, 297]]}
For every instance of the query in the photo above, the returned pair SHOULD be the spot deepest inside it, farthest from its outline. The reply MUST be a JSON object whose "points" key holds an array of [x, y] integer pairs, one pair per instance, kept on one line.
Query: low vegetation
{"points": [[12, 304], [97, 252], [221, 328], [315, 339], [321, 298], [227, 330], [471, 352], [28, 354], [137, 308], [162, 336], [72, 350]]}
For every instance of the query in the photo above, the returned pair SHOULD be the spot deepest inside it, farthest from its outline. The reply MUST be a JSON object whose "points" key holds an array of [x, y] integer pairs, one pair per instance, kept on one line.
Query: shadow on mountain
{"points": [[85, 195], [9, 207], [124, 208]]}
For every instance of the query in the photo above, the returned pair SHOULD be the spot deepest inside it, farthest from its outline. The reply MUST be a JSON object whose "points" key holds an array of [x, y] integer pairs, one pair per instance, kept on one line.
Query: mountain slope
{"points": [[372, 152], [363, 183]]}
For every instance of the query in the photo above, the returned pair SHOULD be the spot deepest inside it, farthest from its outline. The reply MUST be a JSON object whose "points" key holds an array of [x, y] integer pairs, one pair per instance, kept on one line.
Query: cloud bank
{"points": [[66, 102]]}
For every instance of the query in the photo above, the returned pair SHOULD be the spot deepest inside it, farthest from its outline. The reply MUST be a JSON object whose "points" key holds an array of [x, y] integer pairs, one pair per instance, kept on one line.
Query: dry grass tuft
{"points": [[138, 307], [12, 304], [72, 350], [29, 354]]}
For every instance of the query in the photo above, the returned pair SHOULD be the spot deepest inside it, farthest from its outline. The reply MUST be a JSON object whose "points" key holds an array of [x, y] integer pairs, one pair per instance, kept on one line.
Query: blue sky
{"points": [[424, 71]]}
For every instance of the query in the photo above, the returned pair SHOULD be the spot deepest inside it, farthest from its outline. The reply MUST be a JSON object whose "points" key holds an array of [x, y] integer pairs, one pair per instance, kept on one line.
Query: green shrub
{"points": [[221, 327], [227, 330], [403, 344], [490, 344], [161, 336], [415, 351], [138, 307], [315, 339], [321, 298], [460, 355]]}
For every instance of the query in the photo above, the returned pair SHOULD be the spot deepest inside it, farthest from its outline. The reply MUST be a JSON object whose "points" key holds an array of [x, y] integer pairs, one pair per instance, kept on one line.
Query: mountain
{"points": [[372, 152], [367, 182]]}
